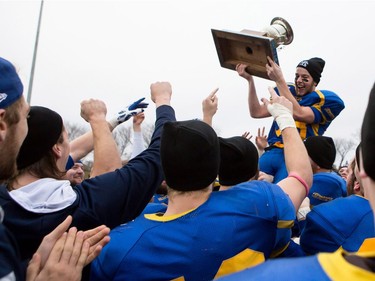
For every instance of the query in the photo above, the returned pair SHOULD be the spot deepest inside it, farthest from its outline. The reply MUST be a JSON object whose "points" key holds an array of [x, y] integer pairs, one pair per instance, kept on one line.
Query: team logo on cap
{"points": [[3, 96], [304, 63]]}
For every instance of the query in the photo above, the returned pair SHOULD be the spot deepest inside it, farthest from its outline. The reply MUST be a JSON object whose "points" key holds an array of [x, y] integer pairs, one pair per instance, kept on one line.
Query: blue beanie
{"points": [[11, 87]]}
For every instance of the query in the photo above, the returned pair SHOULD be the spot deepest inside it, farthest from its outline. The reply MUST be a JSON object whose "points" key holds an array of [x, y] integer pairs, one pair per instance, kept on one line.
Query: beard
{"points": [[8, 166]]}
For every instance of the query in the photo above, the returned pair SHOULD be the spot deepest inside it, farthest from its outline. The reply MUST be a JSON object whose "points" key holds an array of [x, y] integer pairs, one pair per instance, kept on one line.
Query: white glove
{"points": [[128, 112]]}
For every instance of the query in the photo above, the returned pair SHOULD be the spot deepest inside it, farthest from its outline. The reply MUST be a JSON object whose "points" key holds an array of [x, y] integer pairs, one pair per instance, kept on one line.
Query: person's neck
{"points": [[22, 180], [181, 202], [322, 170], [224, 187]]}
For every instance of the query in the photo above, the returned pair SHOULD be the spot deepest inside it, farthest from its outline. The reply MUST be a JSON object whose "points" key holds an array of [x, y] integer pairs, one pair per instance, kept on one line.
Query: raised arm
{"points": [[106, 154], [83, 145], [209, 107], [120, 196], [300, 113], [299, 179], [257, 110], [138, 143]]}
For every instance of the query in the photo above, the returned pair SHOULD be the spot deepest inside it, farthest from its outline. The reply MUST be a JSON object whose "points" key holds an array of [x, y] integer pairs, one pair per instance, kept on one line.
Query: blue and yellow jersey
{"points": [[326, 187], [342, 223], [322, 267], [368, 245], [326, 106], [233, 230]]}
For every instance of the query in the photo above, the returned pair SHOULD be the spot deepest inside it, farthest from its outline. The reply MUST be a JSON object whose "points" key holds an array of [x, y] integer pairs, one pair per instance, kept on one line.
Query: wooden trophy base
{"points": [[247, 47]]}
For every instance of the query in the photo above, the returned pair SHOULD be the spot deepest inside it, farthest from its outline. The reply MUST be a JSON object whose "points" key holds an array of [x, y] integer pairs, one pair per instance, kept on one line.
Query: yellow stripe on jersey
{"points": [[337, 268], [247, 258], [302, 129], [320, 104], [179, 279], [285, 224], [161, 217], [367, 246]]}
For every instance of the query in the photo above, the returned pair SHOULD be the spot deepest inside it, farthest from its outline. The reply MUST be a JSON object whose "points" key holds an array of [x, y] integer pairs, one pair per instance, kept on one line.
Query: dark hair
{"points": [[46, 167]]}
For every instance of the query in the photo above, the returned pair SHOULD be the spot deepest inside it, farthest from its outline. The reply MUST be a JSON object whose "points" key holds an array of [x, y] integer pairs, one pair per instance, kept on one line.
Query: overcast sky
{"points": [[114, 50]]}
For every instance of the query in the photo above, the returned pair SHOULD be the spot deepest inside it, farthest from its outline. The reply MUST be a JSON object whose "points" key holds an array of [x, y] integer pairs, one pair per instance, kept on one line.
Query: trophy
{"points": [[252, 47]]}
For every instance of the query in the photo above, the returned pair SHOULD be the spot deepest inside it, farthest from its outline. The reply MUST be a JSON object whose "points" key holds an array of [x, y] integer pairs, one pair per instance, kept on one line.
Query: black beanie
{"points": [[357, 155], [238, 160], [45, 128], [368, 137], [190, 155], [314, 66], [321, 150]]}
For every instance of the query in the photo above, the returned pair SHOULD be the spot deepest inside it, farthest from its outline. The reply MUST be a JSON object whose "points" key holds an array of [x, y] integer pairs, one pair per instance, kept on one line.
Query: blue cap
{"points": [[11, 87], [70, 163]]}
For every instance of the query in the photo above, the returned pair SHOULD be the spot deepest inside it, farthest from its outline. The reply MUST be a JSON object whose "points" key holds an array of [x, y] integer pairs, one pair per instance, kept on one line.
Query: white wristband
{"points": [[113, 122], [282, 115]]}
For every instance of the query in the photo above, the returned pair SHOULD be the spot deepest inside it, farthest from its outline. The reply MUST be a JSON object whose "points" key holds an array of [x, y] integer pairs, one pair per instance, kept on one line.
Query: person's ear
{"points": [[57, 150], [3, 125], [356, 186]]}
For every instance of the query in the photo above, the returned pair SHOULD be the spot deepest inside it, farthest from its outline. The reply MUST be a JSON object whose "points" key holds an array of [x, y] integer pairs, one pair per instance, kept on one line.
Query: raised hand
{"points": [[93, 109], [281, 109], [247, 135], [128, 112], [241, 70], [209, 106], [274, 71], [161, 93], [261, 139]]}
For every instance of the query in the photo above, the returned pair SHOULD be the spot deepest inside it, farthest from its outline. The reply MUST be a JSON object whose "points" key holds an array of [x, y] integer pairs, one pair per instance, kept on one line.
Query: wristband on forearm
{"points": [[282, 115], [301, 180]]}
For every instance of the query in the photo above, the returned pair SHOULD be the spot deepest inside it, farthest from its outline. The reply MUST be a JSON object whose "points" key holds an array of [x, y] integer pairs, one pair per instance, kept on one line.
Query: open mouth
{"points": [[300, 88]]}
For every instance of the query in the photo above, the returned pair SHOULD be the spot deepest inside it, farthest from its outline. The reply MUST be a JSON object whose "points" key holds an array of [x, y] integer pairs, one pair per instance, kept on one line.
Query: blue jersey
{"points": [[326, 106], [160, 198], [322, 267], [343, 222], [232, 230], [326, 187], [153, 208]]}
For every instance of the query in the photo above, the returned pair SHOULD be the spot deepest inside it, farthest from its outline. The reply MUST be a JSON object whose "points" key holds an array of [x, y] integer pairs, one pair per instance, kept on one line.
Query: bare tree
{"points": [[74, 130], [122, 136], [343, 147]]}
